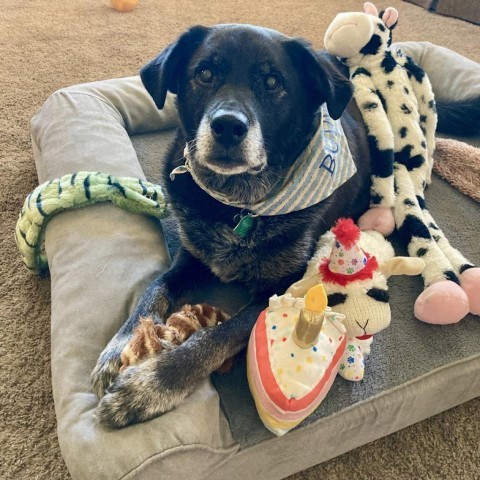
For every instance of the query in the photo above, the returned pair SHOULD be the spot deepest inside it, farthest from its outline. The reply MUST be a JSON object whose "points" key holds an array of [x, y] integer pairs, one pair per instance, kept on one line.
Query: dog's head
{"points": [[248, 98]]}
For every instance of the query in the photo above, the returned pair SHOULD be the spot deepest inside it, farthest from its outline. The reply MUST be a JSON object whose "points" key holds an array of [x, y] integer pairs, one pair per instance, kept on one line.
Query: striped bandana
{"points": [[321, 168]]}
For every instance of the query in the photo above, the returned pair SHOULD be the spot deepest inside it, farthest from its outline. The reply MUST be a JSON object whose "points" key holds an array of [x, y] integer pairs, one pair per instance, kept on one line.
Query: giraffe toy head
{"points": [[359, 33]]}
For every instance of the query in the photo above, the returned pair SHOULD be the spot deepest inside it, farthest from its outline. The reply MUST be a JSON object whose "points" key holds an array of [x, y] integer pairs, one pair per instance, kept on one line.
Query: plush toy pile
{"points": [[396, 101], [289, 379]]}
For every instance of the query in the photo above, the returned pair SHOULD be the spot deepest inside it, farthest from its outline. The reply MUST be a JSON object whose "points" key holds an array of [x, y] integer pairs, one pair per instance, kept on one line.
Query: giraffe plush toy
{"points": [[396, 101]]}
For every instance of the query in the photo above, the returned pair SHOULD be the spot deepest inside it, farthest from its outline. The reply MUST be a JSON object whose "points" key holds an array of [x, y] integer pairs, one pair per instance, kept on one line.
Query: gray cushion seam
{"points": [[96, 97]]}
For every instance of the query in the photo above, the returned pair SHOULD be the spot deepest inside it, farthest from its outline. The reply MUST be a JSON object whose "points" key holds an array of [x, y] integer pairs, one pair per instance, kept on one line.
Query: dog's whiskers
{"points": [[191, 144]]}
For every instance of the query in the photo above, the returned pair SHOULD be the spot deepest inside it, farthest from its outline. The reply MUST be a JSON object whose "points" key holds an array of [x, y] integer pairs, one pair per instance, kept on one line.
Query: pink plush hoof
{"points": [[379, 219], [470, 281], [442, 303]]}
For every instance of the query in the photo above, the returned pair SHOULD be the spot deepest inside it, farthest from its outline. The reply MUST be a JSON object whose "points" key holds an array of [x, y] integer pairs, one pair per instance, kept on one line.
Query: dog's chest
{"points": [[265, 254]]}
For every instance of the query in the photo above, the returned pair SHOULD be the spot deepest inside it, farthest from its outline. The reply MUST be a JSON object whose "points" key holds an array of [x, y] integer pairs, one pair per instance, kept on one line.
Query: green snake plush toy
{"points": [[76, 191]]}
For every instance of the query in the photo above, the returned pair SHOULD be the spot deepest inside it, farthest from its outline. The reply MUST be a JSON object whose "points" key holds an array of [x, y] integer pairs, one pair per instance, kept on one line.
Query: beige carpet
{"points": [[48, 44]]}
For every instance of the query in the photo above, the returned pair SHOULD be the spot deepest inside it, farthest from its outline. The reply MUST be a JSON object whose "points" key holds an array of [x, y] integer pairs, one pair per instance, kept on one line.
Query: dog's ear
{"points": [[323, 78], [161, 74]]}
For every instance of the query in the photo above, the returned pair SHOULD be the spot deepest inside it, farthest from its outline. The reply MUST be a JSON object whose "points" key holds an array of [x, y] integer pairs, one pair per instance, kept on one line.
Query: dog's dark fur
{"points": [[248, 99]]}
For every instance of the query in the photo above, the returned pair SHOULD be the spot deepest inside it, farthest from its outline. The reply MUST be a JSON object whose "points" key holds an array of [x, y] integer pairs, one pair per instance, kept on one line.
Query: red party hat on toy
{"points": [[347, 261]]}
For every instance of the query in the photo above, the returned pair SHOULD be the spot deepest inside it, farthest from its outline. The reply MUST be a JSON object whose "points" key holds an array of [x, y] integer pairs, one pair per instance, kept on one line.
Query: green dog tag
{"points": [[245, 226]]}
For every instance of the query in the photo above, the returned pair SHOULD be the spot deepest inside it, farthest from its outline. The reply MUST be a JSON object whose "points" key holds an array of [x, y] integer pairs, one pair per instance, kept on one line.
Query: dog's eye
{"points": [[272, 82], [205, 75]]}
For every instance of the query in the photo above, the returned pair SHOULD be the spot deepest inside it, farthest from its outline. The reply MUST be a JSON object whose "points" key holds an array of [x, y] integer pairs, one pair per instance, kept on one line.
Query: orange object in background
{"points": [[124, 5]]}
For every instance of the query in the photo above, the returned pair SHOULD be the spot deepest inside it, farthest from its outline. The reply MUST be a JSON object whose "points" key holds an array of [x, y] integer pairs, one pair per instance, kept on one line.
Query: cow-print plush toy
{"points": [[396, 101]]}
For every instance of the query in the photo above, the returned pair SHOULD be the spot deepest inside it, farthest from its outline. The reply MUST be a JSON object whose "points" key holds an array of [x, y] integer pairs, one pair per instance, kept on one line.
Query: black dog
{"points": [[248, 100]]}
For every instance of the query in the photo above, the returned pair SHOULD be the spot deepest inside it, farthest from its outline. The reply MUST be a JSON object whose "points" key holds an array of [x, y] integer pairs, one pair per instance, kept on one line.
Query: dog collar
{"points": [[320, 169]]}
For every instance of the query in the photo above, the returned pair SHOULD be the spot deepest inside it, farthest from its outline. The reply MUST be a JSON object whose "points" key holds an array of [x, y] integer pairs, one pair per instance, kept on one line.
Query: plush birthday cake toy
{"points": [[293, 356]]}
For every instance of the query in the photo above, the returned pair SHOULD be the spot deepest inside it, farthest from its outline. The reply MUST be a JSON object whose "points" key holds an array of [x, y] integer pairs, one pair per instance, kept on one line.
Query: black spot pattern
{"points": [[431, 104], [372, 47], [389, 41], [375, 198], [413, 227], [423, 144], [466, 266], [415, 70], [388, 62], [421, 252], [423, 118], [421, 202], [406, 90], [390, 83], [403, 132], [381, 27], [437, 238], [378, 294], [405, 109], [432, 225], [404, 157], [382, 99], [336, 299], [369, 105], [361, 71], [382, 160], [409, 202], [450, 275]]}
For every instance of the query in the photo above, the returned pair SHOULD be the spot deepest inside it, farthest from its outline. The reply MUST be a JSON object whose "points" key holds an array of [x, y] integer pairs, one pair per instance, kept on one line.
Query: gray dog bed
{"points": [[101, 258]]}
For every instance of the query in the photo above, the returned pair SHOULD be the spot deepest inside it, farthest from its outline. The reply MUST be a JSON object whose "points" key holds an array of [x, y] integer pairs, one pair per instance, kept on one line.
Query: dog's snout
{"points": [[229, 128]]}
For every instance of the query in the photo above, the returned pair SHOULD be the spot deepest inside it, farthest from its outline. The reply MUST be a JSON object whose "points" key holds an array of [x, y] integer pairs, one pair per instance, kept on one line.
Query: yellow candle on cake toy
{"points": [[311, 318], [293, 357]]}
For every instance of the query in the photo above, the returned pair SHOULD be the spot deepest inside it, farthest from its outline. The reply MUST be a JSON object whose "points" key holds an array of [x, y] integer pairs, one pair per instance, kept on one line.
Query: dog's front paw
{"points": [[107, 368], [145, 391]]}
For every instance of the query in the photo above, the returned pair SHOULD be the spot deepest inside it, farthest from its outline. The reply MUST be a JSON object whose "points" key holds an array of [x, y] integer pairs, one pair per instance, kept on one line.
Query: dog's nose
{"points": [[229, 128]]}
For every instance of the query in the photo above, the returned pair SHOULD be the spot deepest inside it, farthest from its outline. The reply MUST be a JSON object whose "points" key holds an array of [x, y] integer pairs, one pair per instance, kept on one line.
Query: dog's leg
{"points": [[161, 383], [167, 293]]}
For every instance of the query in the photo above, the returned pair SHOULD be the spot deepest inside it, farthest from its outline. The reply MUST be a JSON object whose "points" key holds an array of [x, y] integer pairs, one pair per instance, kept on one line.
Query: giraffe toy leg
{"points": [[423, 91], [381, 143], [467, 273], [443, 301]]}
